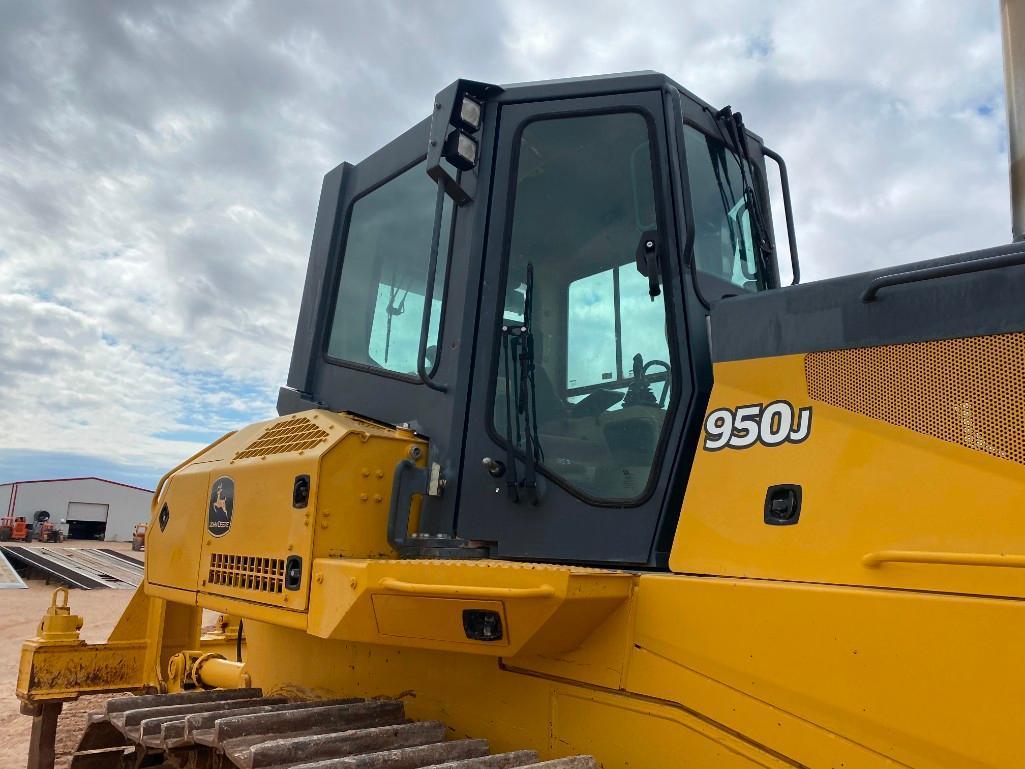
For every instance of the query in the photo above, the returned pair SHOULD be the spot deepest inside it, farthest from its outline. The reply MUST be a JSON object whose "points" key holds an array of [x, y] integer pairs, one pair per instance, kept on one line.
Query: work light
{"points": [[460, 150], [469, 114]]}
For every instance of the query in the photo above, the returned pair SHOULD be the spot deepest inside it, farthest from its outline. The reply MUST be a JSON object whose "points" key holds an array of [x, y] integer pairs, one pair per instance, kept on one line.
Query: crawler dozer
{"points": [[564, 476]]}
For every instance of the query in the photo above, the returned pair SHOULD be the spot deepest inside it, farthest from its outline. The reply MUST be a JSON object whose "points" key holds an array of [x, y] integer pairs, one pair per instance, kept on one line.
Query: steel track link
{"points": [[241, 728]]}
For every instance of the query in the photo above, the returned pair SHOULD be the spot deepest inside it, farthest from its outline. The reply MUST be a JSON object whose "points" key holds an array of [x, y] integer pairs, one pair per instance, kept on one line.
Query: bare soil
{"points": [[20, 612]]}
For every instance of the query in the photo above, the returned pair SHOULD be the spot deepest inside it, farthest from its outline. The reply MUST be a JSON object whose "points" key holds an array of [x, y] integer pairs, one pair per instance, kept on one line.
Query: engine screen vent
{"points": [[247, 572], [294, 434], [967, 391]]}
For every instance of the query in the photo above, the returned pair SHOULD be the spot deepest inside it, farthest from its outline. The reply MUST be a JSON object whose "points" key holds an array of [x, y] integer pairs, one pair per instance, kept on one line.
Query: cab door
{"points": [[582, 381]]}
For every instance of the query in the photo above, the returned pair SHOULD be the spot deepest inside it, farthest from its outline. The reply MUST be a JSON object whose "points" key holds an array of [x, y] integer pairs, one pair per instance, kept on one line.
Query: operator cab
{"points": [[524, 279]]}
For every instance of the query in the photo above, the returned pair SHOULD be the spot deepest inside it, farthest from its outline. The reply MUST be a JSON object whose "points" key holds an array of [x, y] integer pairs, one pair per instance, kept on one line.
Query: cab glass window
{"points": [[584, 364], [724, 245], [380, 299]]}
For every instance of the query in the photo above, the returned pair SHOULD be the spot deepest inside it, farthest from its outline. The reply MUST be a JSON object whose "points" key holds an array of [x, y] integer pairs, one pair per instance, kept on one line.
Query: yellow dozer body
{"points": [[565, 476], [906, 657]]}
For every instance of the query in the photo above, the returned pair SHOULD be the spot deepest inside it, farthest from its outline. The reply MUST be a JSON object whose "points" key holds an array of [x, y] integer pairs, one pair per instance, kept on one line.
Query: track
{"points": [[82, 567], [241, 728]]}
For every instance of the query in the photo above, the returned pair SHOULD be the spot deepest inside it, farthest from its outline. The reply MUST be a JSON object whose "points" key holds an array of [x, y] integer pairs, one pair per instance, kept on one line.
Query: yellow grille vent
{"points": [[247, 572], [294, 434], [967, 391]]}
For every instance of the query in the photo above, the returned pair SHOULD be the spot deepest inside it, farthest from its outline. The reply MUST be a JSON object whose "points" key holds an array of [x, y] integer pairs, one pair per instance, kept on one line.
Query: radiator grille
{"points": [[967, 391], [293, 434], [247, 572]]}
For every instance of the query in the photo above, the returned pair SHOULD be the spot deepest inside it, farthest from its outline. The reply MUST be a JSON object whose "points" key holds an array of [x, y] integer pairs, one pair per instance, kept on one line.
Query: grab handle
{"points": [[942, 271], [873, 560], [425, 319], [788, 212], [466, 591]]}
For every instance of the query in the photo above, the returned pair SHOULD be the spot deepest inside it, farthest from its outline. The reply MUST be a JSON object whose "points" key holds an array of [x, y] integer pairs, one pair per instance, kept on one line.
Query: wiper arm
{"points": [[518, 351], [719, 167], [735, 125], [509, 354], [528, 390]]}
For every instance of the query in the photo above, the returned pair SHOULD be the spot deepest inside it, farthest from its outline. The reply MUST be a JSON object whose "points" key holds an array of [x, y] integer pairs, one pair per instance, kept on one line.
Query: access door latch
{"points": [[783, 504]]}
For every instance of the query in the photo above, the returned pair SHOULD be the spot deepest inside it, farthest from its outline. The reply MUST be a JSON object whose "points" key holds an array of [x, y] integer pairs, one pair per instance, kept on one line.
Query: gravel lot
{"points": [[20, 612]]}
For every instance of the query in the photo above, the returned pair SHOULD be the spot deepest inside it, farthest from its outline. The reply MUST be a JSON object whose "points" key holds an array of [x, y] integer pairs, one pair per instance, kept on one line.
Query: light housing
{"points": [[468, 114], [458, 113], [460, 150]]}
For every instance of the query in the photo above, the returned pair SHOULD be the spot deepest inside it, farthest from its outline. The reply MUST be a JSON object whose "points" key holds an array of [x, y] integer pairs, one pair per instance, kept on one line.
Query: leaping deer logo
{"points": [[220, 502], [222, 505]]}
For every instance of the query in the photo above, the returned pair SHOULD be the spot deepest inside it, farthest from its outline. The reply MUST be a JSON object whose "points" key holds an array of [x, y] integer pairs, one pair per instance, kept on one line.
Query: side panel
{"points": [[172, 550], [923, 680], [870, 486]]}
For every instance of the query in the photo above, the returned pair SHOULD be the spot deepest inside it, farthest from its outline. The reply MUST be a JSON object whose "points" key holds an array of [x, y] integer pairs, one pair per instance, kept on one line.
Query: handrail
{"points": [[465, 591], [399, 505], [163, 479], [425, 318], [873, 560], [942, 271], [788, 213]]}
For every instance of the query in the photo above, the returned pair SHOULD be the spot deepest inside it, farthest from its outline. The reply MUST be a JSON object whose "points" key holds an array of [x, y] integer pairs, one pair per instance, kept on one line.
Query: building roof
{"points": [[83, 478]]}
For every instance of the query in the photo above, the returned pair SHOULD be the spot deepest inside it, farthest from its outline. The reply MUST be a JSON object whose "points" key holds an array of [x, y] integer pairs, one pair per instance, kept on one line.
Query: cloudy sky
{"points": [[160, 165]]}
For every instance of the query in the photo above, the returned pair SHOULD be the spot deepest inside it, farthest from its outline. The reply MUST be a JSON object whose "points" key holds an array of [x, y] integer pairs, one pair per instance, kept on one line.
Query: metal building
{"points": [[85, 508]]}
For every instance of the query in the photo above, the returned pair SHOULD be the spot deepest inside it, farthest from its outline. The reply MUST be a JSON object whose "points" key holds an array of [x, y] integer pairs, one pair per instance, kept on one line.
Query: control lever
{"points": [[647, 261]]}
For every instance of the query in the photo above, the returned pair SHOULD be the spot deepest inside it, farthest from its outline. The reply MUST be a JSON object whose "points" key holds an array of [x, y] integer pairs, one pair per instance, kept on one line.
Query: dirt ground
{"points": [[20, 612]]}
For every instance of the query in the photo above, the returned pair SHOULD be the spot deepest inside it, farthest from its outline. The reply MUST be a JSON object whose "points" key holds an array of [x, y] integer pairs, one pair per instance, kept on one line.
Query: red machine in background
{"points": [[19, 529], [44, 530], [15, 528]]}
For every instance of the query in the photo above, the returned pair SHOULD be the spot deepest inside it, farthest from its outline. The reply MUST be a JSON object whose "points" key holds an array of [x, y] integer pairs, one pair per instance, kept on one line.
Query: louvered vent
{"points": [[967, 391], [247, 572], [293, 434]]}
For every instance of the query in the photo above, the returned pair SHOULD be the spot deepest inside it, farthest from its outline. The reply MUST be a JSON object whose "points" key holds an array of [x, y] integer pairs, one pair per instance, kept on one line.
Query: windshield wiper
{"points": [[392, 310], [738, 146], [717, 153], [518, 352]]}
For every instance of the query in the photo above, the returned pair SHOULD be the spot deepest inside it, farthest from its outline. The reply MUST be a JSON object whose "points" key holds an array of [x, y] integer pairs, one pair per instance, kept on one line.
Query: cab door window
{"points": [[583, 355]]}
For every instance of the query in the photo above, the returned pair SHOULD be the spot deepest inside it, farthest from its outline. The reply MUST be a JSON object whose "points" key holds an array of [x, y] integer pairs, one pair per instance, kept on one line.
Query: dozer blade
{"points": [[241, 728]]}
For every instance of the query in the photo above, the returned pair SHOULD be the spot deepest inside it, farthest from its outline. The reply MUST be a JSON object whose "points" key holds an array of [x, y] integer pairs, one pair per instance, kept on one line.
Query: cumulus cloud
{"points": [[160, 165]]}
